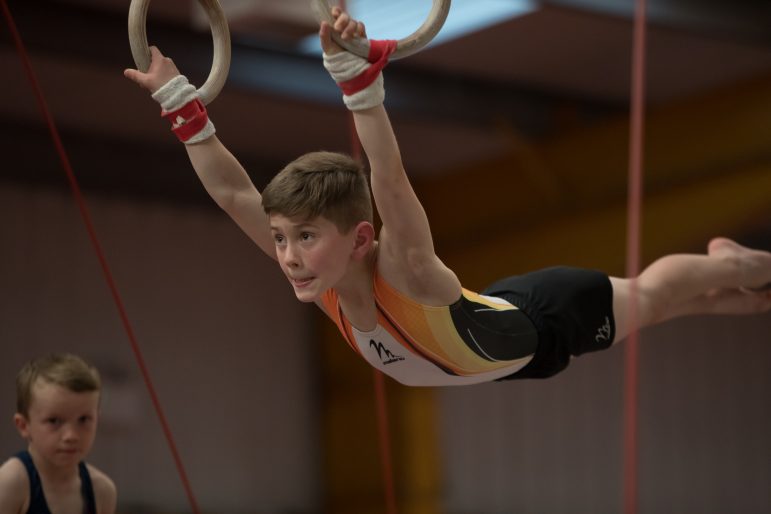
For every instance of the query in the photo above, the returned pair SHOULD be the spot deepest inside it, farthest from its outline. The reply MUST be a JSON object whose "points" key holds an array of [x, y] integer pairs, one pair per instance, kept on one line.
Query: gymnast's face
{"points": [[60, 426], [313, 254]]}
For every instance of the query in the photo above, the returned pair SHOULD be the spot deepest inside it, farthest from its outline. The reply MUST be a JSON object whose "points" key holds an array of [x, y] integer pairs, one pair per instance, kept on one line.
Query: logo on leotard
{"points": [[384, 353], [603, 333]]}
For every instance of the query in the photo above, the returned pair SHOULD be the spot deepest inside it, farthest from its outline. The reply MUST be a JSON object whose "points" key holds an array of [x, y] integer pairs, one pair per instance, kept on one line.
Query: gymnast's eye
{"points": [[53, 421]]}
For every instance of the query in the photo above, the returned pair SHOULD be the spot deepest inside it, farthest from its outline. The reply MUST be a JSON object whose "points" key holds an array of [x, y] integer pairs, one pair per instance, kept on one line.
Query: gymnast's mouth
{"points": [[300, 282]]}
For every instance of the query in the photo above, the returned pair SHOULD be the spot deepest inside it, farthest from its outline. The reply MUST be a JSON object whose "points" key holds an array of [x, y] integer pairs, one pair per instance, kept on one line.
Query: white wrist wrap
{"points": [[175, 94], [205, 133], [344, 66]]}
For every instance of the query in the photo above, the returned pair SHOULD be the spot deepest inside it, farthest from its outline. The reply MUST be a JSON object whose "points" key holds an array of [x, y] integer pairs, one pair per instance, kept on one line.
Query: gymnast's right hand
{"points": [[162, 69]]}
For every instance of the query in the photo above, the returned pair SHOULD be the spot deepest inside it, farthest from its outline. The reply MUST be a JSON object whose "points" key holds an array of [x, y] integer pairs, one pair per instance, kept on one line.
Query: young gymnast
{"points": [[56, 413], [392, 298]]}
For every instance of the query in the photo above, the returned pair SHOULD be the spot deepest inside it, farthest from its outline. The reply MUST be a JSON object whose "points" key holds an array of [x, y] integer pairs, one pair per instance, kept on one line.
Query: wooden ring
{"points": [[220, 35], [404, 47]]}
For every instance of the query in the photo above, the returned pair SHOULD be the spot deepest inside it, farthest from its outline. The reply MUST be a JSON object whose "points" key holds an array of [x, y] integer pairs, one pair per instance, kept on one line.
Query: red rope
{"points": [[634, 215], [384, 436], [385, 441], [79, 200]]}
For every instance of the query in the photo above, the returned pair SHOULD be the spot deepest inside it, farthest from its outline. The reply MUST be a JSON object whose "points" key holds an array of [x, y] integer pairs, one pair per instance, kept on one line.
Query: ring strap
{"points": [[379, 51]]}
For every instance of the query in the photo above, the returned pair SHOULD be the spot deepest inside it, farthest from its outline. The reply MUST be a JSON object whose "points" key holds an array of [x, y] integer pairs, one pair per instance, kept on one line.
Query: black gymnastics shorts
{"points": [[572, 309]]}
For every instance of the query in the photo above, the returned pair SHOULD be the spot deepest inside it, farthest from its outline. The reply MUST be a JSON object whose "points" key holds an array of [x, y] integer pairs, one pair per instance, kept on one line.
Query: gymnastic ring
{"points": [[404, 47], [220, 35]]}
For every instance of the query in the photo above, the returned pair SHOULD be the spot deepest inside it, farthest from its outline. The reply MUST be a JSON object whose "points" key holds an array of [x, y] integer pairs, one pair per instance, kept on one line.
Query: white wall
{"points": [[227, 345]]}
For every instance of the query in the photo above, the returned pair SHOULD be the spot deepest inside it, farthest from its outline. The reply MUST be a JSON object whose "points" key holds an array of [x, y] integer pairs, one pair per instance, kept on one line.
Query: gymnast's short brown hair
{"points": [[328, 184]]}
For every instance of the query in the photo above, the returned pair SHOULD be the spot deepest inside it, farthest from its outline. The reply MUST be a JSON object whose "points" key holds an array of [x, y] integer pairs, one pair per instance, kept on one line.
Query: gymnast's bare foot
{"points": [[755, 265]]}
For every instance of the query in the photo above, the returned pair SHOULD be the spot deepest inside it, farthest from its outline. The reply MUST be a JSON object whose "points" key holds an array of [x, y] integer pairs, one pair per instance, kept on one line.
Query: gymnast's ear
{"points": [[21, 425], [364, 238]]}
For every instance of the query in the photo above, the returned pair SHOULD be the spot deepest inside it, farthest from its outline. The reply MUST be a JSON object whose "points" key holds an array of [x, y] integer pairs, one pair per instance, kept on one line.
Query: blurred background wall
{"points": [[515, 133]]}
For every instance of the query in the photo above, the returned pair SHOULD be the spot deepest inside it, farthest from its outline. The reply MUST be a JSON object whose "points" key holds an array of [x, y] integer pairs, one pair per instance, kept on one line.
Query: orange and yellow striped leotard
{"points": [[476, 339]]}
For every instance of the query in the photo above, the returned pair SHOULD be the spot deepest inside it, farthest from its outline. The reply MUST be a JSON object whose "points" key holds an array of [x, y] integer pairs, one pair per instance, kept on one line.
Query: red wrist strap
{"points": [[379, 50], [188, 120]]}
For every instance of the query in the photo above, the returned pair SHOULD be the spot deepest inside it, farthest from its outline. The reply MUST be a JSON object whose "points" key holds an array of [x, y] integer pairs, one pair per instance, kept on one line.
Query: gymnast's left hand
{"points": [[347, 27], [162, 69]]}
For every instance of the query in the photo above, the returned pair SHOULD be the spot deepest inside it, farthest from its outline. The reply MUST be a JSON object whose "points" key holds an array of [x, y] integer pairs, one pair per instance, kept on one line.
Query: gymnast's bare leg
{"points": [[728, 279]]}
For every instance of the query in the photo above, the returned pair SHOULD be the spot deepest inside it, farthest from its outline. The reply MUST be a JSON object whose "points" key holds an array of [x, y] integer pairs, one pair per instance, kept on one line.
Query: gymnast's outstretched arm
{"points": [[221, 174], [407, 257]]}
